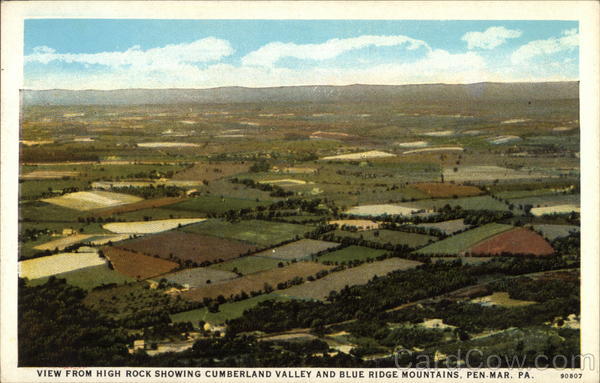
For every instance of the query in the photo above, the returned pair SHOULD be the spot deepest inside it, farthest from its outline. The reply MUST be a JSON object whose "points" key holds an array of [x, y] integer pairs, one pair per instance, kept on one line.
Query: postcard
{"points": [[300, 191]]}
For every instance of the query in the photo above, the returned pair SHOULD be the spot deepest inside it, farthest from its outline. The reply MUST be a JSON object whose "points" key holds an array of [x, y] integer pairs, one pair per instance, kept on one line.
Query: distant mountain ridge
{"points": [[487, 91]]}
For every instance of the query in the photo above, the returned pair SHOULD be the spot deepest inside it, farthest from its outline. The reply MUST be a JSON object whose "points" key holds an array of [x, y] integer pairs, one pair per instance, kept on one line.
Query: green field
{"points": [[247, 265], [511, 194], [89, 277], [263, 233], [463, 241], [467, 203], [226, 311], [351, 253], [388, 236], [548, 200], [158, 213], [42, 211], [216, 204]]}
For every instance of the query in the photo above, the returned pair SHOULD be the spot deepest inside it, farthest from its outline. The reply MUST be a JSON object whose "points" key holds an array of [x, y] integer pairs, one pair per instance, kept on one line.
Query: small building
{"points": [[214, 328], [68, 231]]}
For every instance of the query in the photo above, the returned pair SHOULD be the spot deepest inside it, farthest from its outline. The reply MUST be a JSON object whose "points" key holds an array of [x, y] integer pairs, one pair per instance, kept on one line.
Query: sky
{"points": [[120, 54]]}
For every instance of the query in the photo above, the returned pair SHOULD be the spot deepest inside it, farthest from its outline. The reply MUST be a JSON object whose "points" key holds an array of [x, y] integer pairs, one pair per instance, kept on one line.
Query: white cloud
{"points": [[568, 41], [435, 66], [204, 50], [269, 54], [490, 38]]}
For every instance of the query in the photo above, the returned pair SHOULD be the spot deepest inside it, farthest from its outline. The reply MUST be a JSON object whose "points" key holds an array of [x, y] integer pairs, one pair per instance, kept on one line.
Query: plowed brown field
{"points": [[516, 241], [188, 246], [137, 265]]}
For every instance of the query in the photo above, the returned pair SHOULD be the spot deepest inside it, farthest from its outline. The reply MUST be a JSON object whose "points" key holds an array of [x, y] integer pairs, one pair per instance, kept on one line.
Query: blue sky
{"points": [[111, 54]]}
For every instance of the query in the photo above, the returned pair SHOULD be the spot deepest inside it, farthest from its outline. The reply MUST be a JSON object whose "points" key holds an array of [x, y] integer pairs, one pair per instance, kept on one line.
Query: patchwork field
{"points": [[197, 248], [488, 173], [136, 265], [515, 241], [149, 227], [351, 253], [89, 200], [264, 233], [61, 243], [376, 210], [445, 190], [48, 174], [362, 274], [88, 277], [467, 203], [211, 171], [359, 156], [552, 232], [298, 250], [199, 277], [448, 227], [157, 213], [226, 311], [247, 265], [166, 144], [556, 209], [549, 200], [57, 264], [360, 224], [461, 243], [256, 281], [216, 205], [388, 236], [141, 205]]}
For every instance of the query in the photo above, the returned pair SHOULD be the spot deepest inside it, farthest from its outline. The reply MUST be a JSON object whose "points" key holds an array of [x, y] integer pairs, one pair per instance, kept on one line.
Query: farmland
{"points": [[321, 288], [467, 203], [249, 214], [448, 227], [136, 265], [226, 311], [552, 232], [386, 236], [247, 265], [57, 264], [211, 171], [375, 210], [359, 224], [187, 247], [297, 250], [442, 190], [89, 277], [462, 242], [198, 277], [351, 253], [215, 204], [516, 241], [149, 227], [263, 233], [501, 299], [255, 282], [92, 200]]}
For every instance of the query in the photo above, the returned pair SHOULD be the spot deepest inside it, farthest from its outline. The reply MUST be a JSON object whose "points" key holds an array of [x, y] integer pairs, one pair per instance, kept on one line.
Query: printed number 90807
{"points": [[571, 375]]}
